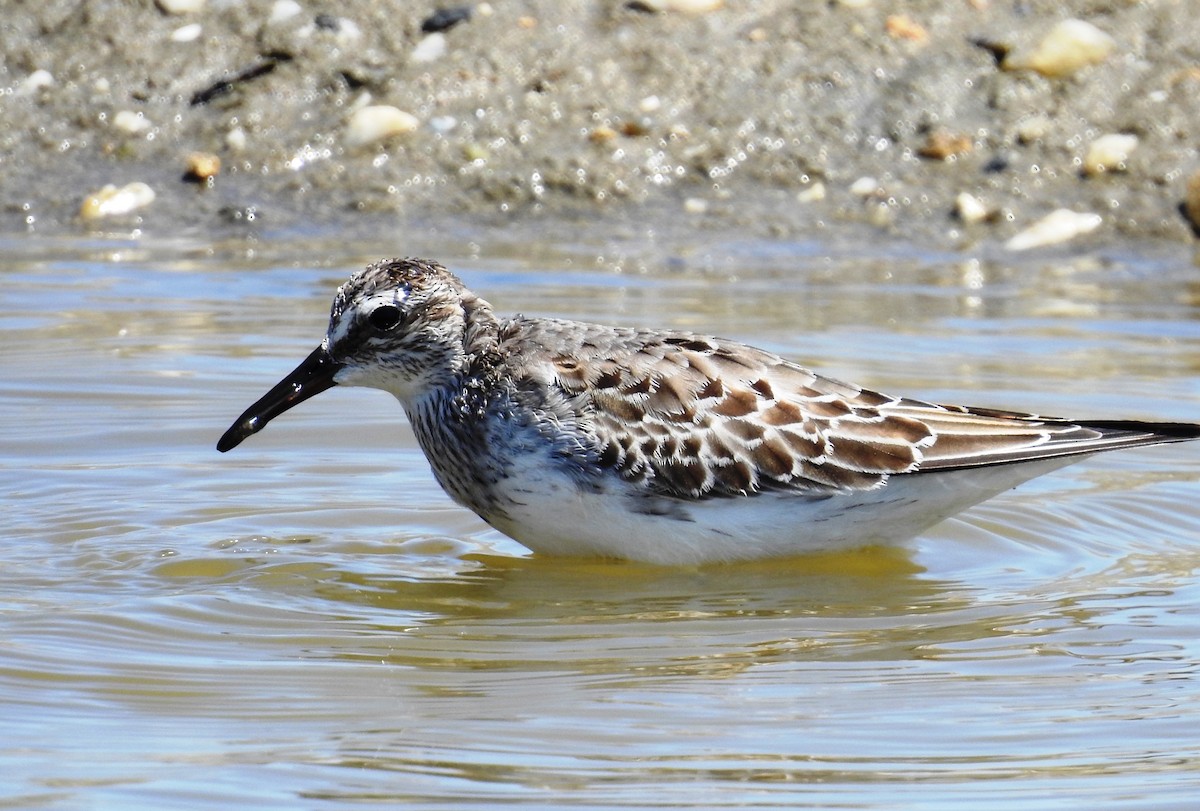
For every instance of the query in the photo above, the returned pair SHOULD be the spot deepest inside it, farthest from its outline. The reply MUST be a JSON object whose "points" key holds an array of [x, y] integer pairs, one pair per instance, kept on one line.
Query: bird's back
{"points": [[692, 417]]}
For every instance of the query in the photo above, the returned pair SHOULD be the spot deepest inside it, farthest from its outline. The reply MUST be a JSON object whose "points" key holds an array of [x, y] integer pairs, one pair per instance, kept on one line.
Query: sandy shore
{"points": [[777, 116]]}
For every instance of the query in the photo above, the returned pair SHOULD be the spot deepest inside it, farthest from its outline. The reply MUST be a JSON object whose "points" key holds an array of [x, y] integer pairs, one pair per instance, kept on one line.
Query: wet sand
{"points": [[776, 117]]}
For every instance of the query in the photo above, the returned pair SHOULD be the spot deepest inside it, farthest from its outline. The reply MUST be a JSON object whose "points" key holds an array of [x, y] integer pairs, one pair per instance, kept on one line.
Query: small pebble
{"points": [[181, 6], [865, 187], [348, 32], [1191, 201], [132, 123], [113, 202], [813, 193], [943, 145], [377, 122], [235, 139], [1057, 226], [1109, 153], [345, 31], [686, 6], [602, 134], [446, 18], [650, 104], [1033, 129], [635, 129], [1067, 48], [187, 33], [970, 209], [283, 10], [430, 49], [443, 124], [901, 26], [35, 82], [202, 166], [881, 215]]}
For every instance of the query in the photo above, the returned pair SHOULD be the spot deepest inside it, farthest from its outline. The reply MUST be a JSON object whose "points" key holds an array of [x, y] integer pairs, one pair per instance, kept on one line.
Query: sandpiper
{"points": [[660, 445]]}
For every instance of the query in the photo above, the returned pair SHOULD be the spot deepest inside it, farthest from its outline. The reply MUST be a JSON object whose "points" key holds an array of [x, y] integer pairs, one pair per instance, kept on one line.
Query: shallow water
{"points": [[308, 622]]}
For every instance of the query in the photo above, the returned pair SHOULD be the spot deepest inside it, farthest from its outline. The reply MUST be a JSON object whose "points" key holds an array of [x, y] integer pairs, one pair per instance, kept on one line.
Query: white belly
{"points": [[552, 516]]}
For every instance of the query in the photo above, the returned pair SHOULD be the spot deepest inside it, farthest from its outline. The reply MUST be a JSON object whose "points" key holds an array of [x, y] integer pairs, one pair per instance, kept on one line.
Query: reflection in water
{"points": [[314, 621]]}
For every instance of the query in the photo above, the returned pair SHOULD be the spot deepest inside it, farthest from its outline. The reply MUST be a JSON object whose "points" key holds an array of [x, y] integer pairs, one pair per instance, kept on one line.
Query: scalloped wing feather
{"points": [[693, 417]]}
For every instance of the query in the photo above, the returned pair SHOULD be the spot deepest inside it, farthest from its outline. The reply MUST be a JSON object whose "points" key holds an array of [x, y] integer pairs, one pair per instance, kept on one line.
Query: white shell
{"points": [[864, 187], [130, 122], [430, 49], [1067, 47], [283, 10], [235, 139], [377, 122], [1033, 128], [1108, 153], [969, 208], [181, 6], [113, 202], [187, 33], [812, 193], [687, 6], [35, 82], [1057, 226]]}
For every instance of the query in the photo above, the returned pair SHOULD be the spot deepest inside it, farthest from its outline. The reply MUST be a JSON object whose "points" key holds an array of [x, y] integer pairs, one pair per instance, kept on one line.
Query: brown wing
{"points": [[694, 416]]}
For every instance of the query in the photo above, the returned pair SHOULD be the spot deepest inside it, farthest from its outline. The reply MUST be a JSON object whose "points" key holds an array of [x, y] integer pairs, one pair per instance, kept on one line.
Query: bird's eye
{"points": [[384, 317]]}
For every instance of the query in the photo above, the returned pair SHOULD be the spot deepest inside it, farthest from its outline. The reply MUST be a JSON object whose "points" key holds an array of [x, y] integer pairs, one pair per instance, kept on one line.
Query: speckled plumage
{"points": [[663, 445]]}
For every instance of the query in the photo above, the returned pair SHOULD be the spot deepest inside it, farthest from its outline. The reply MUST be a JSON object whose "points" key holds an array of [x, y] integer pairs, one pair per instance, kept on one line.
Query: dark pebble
{"points": [[327, 22], [446, 18]]}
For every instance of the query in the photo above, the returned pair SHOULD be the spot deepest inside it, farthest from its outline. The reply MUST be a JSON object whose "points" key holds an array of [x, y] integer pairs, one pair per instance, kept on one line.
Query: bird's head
{"points": [[398, 325]]}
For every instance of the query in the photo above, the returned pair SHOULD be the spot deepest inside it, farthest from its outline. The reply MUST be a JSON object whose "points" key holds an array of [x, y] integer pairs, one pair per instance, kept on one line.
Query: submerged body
{"points": [[664, 446]]}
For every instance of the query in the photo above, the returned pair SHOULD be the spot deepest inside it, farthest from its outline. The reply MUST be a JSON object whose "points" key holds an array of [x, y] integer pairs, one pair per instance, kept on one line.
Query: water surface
{"points": [[308, 622]]}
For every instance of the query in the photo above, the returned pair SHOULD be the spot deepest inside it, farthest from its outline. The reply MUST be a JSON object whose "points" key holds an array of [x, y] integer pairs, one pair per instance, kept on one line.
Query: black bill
{"points": [[311, 377]]}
